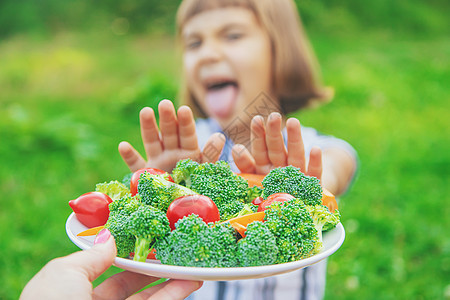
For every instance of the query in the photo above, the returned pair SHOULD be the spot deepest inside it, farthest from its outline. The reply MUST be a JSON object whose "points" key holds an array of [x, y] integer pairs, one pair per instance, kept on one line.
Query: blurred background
{"points": [[74, 75]]}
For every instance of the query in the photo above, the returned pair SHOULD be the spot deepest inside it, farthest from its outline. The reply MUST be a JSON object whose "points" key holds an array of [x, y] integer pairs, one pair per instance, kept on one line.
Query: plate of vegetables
{"points": [[204, 222]]}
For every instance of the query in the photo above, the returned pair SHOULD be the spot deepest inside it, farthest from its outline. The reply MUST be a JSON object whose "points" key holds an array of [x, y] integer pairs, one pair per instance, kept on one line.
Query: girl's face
{"points": [[228, 64]]}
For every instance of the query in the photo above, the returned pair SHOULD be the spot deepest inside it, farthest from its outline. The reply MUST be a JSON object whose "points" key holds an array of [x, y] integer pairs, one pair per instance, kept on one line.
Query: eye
{"points": [[193, 44], [231, 36]]}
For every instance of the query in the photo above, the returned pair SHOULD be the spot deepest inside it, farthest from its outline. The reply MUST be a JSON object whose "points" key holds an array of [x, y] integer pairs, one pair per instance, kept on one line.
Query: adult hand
{"points": [[176, 139], [268, 150], [71, 277]]}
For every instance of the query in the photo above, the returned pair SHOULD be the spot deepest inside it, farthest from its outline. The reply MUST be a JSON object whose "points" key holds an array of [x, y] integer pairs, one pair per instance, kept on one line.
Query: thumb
{"points": [[96, 260]]}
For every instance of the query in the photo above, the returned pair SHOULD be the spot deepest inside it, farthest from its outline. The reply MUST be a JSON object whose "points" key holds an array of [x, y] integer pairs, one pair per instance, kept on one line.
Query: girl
{"points": [[246, 65]]}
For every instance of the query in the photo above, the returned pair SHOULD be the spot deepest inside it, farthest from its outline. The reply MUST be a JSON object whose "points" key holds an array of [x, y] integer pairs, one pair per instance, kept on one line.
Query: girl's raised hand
{"points": [[175, 139], [268, 150]]}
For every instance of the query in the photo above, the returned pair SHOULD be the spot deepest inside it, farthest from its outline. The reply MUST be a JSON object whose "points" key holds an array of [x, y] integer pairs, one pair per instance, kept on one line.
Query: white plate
{"points": [[332, 240]]}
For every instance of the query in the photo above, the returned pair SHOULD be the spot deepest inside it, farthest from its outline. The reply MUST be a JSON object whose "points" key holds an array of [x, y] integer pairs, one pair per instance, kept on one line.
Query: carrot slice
{"points": [[240, 223], [91, 231], [248, 218], [253, 179], [329, 200], [239, 228]]}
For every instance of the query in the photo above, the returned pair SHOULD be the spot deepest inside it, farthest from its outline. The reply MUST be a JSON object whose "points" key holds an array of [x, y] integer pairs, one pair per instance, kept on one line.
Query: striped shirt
{"points": [[303, 284]]}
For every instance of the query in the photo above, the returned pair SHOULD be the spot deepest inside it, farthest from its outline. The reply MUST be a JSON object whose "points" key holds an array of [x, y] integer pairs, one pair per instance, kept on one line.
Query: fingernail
{"points": [[102, 236], [274, 115]]}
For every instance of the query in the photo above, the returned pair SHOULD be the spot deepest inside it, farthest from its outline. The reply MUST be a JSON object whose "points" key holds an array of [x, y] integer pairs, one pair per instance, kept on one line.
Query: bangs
{"points": [[190, 8]]}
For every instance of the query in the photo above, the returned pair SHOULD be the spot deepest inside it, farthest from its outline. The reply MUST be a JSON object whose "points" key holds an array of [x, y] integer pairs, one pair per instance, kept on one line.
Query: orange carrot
{"points": [[248, 218], [239, 228], [329, 200], [91, 231], [253, 179], [240, 223]]}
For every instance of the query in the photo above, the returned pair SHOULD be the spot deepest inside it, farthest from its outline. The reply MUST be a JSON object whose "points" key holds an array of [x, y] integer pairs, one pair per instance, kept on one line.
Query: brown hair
{"points": [[296, 80]]}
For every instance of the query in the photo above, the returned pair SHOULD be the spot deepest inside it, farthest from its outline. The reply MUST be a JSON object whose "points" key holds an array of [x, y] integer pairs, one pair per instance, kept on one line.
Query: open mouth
{"points": [[220, 85], [221, 97]]}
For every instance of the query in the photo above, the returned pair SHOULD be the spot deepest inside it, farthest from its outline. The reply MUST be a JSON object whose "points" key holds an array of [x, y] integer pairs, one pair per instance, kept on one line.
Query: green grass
{"points": [[66, 103]]}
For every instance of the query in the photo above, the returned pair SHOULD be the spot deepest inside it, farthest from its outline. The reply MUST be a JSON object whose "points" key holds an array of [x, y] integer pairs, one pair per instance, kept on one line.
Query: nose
{"points": [[210, 52]]}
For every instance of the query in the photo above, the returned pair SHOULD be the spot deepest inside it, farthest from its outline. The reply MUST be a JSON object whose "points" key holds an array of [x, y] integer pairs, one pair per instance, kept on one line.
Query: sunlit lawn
{"points": [[66, 102]]}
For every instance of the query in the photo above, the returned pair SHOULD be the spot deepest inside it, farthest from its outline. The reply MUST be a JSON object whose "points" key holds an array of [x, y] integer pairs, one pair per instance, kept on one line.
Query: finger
{"points": [[122, 285], [243, 159], [258, 141], [213, 147], [131, 157], [295, 147], [169, 290], [94, 261], [186, 127], [168, 124], [150, 133], [274, 141], [315, 163]]}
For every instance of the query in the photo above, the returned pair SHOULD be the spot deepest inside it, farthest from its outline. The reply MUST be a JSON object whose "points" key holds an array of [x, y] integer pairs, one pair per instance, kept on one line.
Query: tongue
{"points": [[220, 102]]}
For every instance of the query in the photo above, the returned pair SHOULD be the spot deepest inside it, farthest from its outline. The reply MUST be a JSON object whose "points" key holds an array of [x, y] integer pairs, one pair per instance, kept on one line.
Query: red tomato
{"points": [[200, 205], [91, 209], [135, 178], [257, 201], [278, 197]]}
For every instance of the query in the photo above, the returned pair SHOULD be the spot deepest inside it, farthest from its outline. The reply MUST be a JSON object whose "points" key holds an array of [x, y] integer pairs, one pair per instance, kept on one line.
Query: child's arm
{"points": [[334, 166], [176, 139]]}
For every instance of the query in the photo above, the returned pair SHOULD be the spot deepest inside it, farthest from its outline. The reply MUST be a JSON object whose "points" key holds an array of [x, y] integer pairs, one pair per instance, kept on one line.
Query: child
{"points": [[246, 64]]}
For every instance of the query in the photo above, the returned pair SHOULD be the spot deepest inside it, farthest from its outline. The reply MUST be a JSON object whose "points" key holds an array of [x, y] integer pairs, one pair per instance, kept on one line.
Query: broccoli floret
{"points": [[127, 179], [252, 193], [292, 181], [294, 230], [120, 211], [125, 205], [193, 243], [229, 210], [114, 189], [248, 208], [332, 222], [323, 218], [181, 174], [217, 181], [125, 241], [259, 246], [147, 224], [158, 192]]}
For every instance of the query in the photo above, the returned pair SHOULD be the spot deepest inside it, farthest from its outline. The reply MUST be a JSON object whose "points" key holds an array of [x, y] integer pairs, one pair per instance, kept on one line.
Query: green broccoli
{"points": [[125, 241], [194, 243], [259, 246], [158, 192], [120, 211], [126, 180], [252, 193], [332, 222], [292, 181], [181, 174], [294, 229], [125, 206], [248, 208], [215, 180], [147, 224], [323, 219], [114, 189]]}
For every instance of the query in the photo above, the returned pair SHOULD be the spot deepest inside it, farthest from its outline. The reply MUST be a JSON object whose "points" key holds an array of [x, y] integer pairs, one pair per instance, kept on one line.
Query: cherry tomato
{"points": [[200, 205], [135, 178], [257, 201], [91, 209], [278, 197]]}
